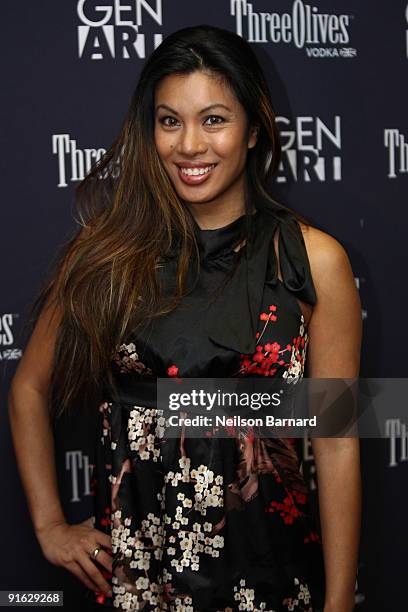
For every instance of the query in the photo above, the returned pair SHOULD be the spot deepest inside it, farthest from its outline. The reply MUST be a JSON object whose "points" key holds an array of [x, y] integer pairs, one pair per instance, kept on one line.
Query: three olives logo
{"points": [[7, 349], [322, 35], [397, 152], [114, 29], [397, 433], [75, 162]]}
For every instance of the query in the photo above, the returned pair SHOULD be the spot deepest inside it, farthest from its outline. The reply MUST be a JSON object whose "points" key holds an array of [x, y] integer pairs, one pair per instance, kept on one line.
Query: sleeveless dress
{"points": [[206, 524]]}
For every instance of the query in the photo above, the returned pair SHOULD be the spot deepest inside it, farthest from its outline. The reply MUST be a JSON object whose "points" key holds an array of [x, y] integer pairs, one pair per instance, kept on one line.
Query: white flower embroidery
{"points": [[298, 357], [127, 358]]}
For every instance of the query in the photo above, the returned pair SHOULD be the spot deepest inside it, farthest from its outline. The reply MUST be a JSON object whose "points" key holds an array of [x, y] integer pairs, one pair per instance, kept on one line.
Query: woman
{"points": [[187, 267]]}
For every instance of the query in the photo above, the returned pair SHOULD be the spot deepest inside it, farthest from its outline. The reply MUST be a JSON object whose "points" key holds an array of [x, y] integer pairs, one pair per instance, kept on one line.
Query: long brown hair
{"points": [[105, 281]]}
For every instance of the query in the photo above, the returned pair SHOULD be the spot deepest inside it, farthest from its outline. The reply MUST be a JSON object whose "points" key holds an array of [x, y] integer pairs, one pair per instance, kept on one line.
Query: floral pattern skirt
{"points": [[200, 525]]}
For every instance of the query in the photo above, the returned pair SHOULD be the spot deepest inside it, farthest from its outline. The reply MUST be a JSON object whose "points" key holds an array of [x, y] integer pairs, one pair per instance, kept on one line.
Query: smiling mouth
{"points": [[199, 171], [194, 176]]}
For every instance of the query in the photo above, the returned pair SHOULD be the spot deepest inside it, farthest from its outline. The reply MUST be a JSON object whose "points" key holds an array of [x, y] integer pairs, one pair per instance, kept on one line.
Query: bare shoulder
{"points": [[329, 262], [335, 327]]}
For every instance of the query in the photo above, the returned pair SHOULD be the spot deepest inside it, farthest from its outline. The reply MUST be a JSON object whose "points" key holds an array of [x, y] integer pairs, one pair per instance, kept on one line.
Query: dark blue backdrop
{"points": [[337, 72]]}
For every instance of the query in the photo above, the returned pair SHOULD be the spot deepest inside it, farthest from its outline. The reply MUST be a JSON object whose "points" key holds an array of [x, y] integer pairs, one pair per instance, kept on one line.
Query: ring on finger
{"points": [[94, 553]]}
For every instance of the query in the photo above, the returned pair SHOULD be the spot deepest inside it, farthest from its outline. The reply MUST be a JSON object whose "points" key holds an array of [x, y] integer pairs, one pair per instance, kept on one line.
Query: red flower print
{"points": [[287, 510], [250, 436], [106, 520], [313, 537], [273, 358], [258, 357], [262, 360], [267, 357], [300, 497], [172, 370]]}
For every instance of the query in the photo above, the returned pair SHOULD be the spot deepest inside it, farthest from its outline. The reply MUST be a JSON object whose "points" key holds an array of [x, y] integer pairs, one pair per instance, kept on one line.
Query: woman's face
{"points": [[202, 137]]}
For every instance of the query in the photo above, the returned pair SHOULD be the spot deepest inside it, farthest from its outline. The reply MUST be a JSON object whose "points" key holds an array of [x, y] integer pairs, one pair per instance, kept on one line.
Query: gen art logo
{"points": [[311, 149], [115, 29]]}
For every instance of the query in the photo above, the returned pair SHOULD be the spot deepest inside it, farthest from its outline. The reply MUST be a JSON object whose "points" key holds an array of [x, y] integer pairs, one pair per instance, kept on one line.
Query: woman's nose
{"points": [[192, 140]]}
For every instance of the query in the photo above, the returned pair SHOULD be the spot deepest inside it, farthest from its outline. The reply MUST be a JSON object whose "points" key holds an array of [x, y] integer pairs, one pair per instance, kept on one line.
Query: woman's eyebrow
{"points": [[204, 110]]}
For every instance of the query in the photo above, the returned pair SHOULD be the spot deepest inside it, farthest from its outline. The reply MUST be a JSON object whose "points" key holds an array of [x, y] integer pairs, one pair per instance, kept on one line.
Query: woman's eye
{"points": [[163, 121], [219, 119], [168, 121]]}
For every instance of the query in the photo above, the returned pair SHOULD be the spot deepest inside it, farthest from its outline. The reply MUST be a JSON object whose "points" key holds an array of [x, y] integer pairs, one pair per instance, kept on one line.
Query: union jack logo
{"points": [[348, 52]]}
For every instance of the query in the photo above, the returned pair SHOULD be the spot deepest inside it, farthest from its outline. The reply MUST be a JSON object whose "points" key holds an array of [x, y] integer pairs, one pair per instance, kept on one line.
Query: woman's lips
{"points": [[195, 179]]}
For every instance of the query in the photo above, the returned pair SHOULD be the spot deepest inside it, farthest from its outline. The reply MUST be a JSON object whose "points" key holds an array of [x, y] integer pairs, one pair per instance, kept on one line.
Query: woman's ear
{"points": [[253, 136]]}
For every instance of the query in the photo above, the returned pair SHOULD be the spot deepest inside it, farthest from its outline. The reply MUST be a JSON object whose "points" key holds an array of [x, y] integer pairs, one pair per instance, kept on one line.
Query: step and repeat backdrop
{"points": [[338, 77]]}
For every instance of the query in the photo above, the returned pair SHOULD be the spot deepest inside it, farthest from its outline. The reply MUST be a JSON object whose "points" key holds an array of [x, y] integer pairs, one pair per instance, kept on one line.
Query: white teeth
{"points": [[197, 171]]}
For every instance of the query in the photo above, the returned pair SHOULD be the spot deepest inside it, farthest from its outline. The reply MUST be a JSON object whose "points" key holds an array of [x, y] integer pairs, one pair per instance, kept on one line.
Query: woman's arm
{"points": [[62, 544], [31, 426], [335, 332]]}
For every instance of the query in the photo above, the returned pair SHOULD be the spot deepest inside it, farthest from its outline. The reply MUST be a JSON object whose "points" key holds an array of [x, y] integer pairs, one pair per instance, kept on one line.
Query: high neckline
{"points": [[221, 240]]}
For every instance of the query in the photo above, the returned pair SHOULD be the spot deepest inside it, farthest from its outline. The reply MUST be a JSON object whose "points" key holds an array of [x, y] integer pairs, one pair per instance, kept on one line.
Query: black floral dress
{"points": [[212, 524]]}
